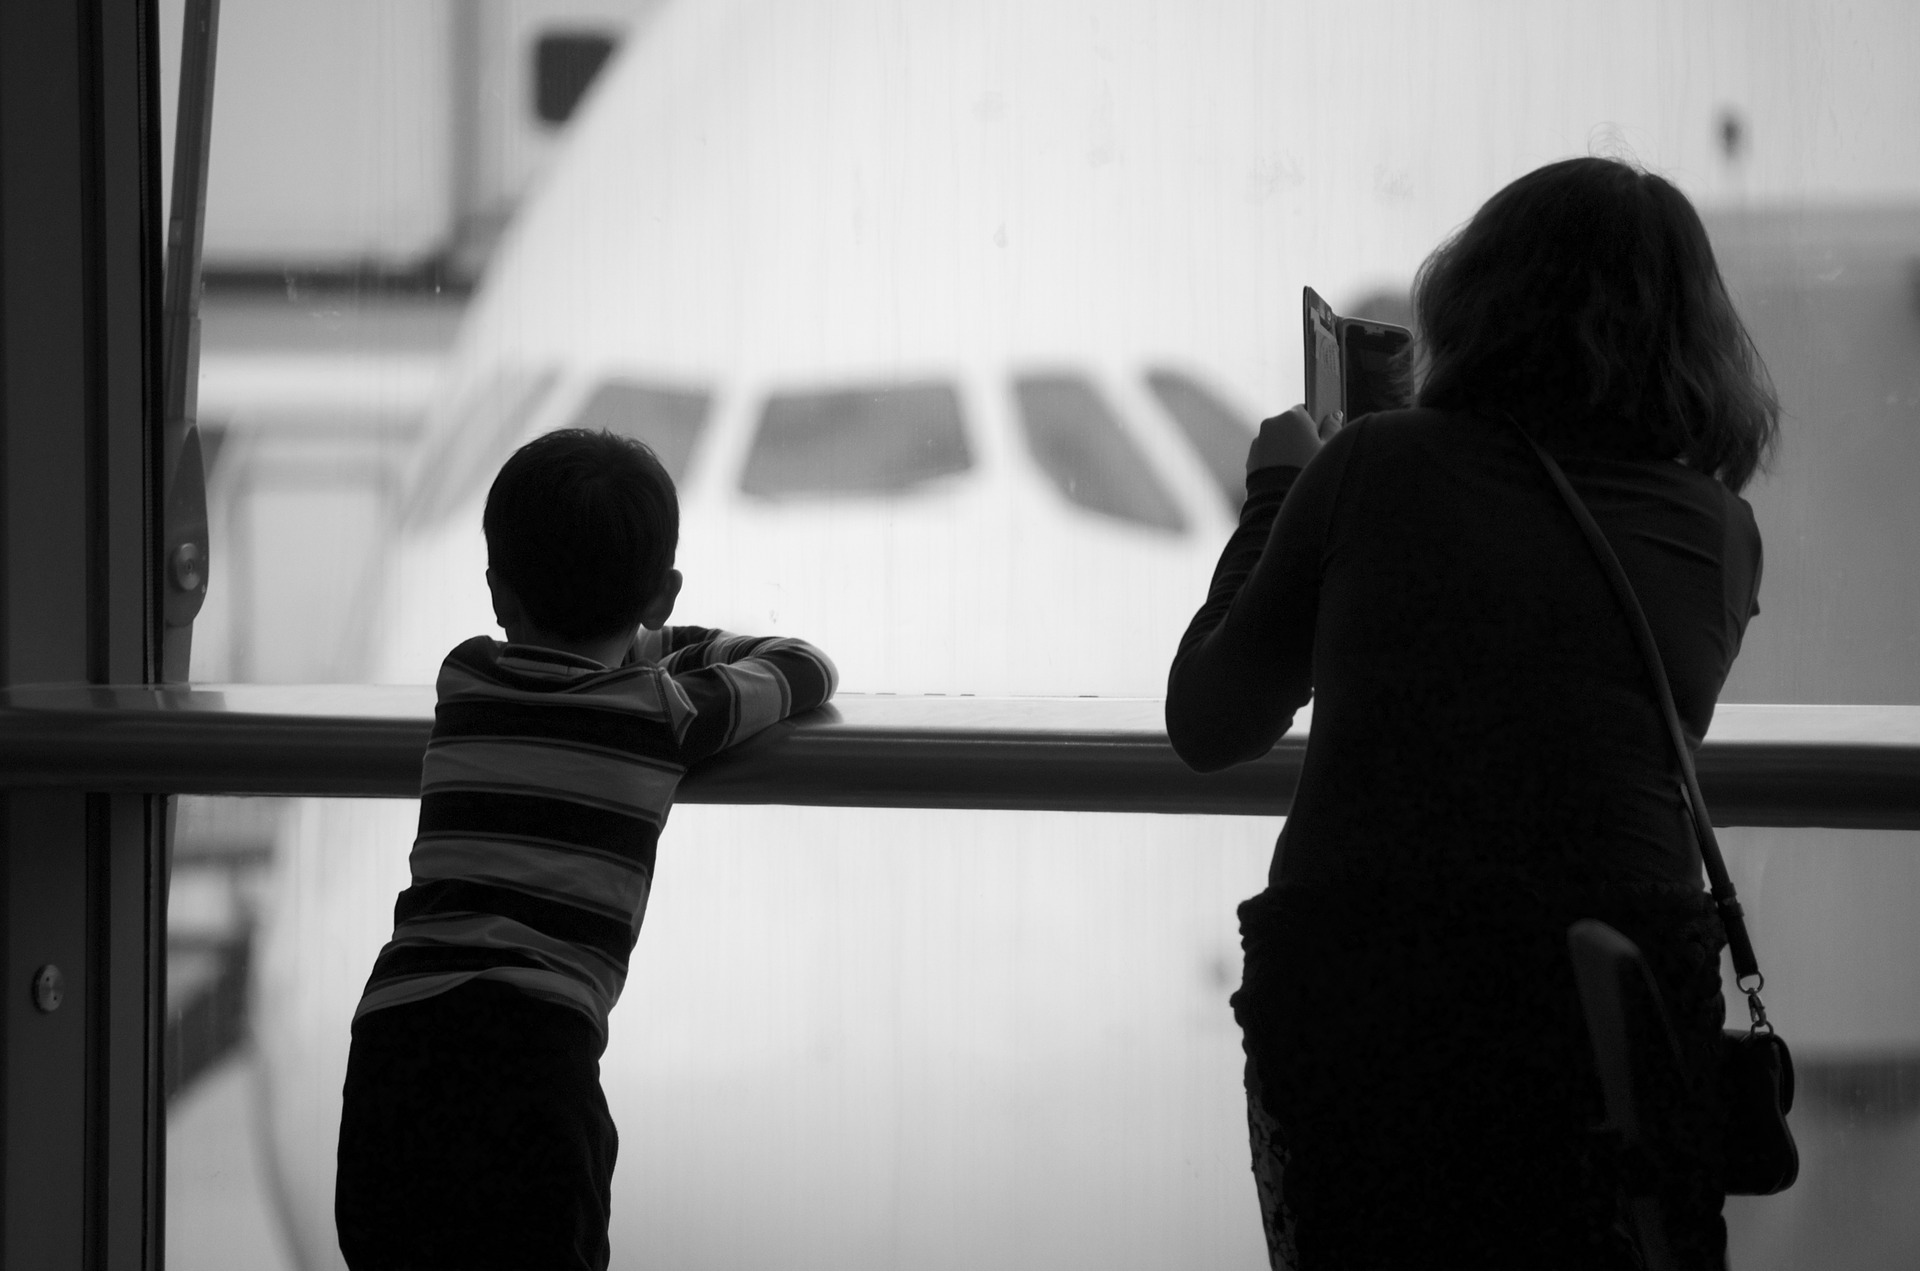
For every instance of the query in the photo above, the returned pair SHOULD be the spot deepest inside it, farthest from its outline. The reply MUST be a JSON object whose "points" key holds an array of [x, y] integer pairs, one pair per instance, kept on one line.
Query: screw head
{"points": [[48, 988], [188, 567]]}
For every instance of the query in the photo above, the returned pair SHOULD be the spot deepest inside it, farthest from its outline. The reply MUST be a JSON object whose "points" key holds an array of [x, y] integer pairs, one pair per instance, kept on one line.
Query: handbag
{"points": [[1756, 1069]]}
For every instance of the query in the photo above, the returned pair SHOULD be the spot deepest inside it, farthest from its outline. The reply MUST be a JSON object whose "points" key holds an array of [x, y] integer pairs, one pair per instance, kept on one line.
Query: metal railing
{"points": [[1852, 767]]}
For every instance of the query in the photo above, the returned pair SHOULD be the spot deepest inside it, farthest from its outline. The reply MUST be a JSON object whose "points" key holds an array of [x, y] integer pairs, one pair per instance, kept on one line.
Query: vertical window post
{"points": [[82, 876]]}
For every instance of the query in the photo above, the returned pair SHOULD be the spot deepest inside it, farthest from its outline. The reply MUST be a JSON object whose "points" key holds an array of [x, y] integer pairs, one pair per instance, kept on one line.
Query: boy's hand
{"points": [[1290, 440]]}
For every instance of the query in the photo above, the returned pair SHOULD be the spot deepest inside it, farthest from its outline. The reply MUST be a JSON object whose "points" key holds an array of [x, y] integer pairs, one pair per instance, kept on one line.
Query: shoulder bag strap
{"points": [[1739, 943]]}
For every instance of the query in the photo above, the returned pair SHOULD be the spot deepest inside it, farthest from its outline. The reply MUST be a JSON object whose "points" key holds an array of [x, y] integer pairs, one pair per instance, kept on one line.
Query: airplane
{"points": [[951, 321]]}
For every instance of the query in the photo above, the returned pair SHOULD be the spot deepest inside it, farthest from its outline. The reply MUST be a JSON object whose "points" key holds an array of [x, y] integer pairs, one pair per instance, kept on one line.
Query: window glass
{"points": [[1219, 434], [1015, 987], [667, 419], [881, 213], [881, 440], [1080, 445], [824, 1005], [470, 446], [222, 1211]]}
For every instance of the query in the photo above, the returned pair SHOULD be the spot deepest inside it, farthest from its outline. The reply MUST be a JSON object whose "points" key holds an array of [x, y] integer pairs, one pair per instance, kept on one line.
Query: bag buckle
{"points": [[1756, 1009]]}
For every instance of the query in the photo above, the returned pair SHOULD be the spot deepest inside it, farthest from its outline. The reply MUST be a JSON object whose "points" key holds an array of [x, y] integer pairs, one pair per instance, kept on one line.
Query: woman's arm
{"points": [[1245, 664]]}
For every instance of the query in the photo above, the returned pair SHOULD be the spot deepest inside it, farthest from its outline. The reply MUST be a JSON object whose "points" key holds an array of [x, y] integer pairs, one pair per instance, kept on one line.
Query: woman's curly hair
{"points": [[1584, 300]]}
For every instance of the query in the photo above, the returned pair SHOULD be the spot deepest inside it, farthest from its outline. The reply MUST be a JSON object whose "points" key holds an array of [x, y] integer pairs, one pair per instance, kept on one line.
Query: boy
{"points": [[474, 1133]]}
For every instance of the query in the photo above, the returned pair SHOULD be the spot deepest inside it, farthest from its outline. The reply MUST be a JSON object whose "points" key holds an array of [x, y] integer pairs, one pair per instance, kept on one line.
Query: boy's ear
{"points": [[506, 605], [660, 608]]}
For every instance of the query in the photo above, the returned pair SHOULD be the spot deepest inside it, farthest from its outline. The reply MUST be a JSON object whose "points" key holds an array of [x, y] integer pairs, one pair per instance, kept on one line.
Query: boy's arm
{"points": [[739, 685]]}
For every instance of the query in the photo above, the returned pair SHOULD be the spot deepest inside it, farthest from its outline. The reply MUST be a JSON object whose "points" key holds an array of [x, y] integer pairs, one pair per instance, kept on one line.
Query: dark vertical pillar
{"points": [[81, 883]]}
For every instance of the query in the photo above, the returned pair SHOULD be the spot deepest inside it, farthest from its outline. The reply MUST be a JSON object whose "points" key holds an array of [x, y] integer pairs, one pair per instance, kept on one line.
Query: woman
{"points": [[1487, 761]]}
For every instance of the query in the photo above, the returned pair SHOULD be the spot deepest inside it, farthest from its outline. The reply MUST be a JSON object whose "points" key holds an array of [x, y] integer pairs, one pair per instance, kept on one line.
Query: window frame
{"points": [[81, 430], [93, 750]]}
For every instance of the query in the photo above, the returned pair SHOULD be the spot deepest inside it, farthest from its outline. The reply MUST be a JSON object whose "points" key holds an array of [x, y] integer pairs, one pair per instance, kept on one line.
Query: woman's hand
{"points": [[1290, 440]]}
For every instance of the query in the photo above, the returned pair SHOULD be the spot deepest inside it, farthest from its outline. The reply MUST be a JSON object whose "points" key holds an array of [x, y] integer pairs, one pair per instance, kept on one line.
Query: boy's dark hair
{"points": [[1584, 300], [583, 526]]}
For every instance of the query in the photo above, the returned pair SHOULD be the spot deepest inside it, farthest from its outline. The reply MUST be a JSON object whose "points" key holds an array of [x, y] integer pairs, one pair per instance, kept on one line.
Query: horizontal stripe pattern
{"points": [[438, 941], [570, 722], [547, 985], [545, 784], [636, 689], [538, 819], [422, 958], [610, 885], [576, 924], [730, 681], [543, 769]]}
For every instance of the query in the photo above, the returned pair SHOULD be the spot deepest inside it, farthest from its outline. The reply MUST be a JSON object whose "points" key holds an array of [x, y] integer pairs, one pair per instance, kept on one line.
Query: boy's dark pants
{"points": [[474, 1135]]}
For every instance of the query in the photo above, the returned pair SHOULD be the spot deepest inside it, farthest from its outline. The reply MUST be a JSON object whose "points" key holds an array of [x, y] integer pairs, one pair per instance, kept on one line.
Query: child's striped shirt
{"points": [[546, 782]]}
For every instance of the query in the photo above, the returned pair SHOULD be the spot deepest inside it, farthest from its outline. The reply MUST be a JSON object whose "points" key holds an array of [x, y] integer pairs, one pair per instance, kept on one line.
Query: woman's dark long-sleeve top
{"points": [[1479, 703], [1486, 763]]}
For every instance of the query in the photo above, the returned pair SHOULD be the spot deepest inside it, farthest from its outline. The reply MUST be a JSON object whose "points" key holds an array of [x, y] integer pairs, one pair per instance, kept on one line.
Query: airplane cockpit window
{"points": [[668, 420], [487, 424], [565, 64], [874, 441], [1079, 443], [1217, 431]]}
